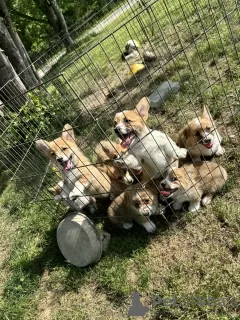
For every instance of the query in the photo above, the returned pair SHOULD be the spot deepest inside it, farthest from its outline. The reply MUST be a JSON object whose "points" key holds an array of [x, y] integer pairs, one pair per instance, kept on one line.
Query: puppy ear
{"points": [[142, 108], [68, 133], [185, 132], [206, 114], [42, 145], [112, 154]]}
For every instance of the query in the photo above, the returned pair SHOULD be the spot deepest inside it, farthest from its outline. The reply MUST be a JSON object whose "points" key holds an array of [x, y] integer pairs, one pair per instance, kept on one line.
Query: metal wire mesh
{"points": [[195, 42]]}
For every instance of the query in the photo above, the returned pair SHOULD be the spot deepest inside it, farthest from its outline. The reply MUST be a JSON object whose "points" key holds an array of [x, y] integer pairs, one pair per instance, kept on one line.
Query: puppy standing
{"points": [[81, 179], [201, 137], [190, 183], [152, 150], [137, 204]]}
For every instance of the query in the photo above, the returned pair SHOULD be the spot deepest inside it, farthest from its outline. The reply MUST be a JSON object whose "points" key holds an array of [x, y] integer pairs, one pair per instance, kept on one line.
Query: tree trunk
{"points": [[17, 40], [56, 19], [8, 45], [68, 41], [10, 84]]}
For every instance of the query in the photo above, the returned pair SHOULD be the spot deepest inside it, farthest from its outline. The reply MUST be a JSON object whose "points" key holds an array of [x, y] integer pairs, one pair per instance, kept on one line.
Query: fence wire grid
{"points": [[194, 43]]}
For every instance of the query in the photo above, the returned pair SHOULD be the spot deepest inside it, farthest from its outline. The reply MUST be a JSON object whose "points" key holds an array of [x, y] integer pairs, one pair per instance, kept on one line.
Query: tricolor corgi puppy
{"points": [[135, 204], [152, 150], [80, 177], [107, 151], [193, 184], [201, 137]]}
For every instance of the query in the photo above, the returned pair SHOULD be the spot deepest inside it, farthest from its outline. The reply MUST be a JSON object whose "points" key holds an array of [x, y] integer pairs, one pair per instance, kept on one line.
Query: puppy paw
{"points": [[206, 200], [220, 151], [161, 209], [149, 226], [181, 153], [73, 195], [58, 197], [176, 205], [127, 225], [81, 202], [193, 207]]}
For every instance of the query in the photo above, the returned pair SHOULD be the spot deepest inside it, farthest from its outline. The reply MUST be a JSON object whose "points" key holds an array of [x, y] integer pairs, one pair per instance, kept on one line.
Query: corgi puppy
{"points": [[108, 151], [152, 150], [138, 204], [201, 137], [81, 179], [193, 184]]}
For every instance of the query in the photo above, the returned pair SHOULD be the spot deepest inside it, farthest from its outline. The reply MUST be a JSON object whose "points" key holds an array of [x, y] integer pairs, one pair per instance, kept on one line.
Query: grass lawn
{"points": [[197, 44]]}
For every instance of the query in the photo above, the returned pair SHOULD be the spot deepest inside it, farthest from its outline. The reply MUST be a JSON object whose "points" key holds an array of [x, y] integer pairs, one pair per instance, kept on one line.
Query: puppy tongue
{"points": [[67, 165], [165, 193], [208, 145], [126, 142]]}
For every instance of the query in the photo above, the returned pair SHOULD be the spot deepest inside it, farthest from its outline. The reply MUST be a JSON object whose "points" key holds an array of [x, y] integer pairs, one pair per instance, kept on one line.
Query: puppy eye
{"points": [[146, 201], [64, 148], [127, 120], [208, 128], [52, 153], [198, 134], [174, 179], [119, 178]]}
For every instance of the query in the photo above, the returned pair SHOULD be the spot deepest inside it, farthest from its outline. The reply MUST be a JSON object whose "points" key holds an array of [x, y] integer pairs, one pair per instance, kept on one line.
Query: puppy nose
{"points": [[207, 140], [60, 159], [163, 184]]}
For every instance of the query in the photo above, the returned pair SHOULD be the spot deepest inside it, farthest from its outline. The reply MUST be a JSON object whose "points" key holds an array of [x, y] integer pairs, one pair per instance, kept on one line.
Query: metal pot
{"points": [[79, 241]]}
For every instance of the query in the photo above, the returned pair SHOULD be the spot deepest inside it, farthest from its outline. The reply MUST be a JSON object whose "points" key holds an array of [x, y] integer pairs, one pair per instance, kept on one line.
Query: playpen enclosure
{"points": [[196, 43]]}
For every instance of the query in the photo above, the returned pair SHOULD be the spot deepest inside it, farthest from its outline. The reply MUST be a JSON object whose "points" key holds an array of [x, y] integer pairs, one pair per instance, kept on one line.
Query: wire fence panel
{"points": [[192, 43]]}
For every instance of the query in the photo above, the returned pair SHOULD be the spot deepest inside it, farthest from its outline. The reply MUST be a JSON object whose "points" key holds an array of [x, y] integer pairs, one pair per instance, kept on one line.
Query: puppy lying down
{"points": [[193, 184], [136, 204]]}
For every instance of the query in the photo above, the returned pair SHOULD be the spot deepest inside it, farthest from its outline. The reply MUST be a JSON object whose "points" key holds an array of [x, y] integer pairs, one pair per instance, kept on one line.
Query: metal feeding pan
{"points": [[79, 241]]}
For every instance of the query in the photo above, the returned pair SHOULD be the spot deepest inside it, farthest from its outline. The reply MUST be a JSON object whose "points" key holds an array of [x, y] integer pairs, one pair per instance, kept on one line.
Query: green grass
{"points": [[200, 255]]}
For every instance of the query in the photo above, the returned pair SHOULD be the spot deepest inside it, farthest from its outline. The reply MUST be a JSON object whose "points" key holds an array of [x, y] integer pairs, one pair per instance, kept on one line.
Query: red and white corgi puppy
{"points": [[152, 150], [201, 137], [194, 184], [81, 179], [135, 204]]}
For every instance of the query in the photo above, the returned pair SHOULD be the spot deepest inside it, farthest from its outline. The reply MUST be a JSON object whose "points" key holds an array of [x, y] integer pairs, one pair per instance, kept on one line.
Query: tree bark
{"points": [[56, 19], [10, 84], [62, 24], [8, 45], [18, 42]]}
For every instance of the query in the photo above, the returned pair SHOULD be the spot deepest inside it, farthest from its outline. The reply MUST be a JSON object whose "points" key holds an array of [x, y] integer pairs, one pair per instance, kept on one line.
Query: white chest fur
{"points": [[154, 150]]}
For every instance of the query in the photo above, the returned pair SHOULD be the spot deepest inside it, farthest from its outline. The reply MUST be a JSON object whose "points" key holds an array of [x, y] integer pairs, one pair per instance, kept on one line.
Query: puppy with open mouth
{"points": [[152, 150], [82, 180], [193, 184], [201, 137]]}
